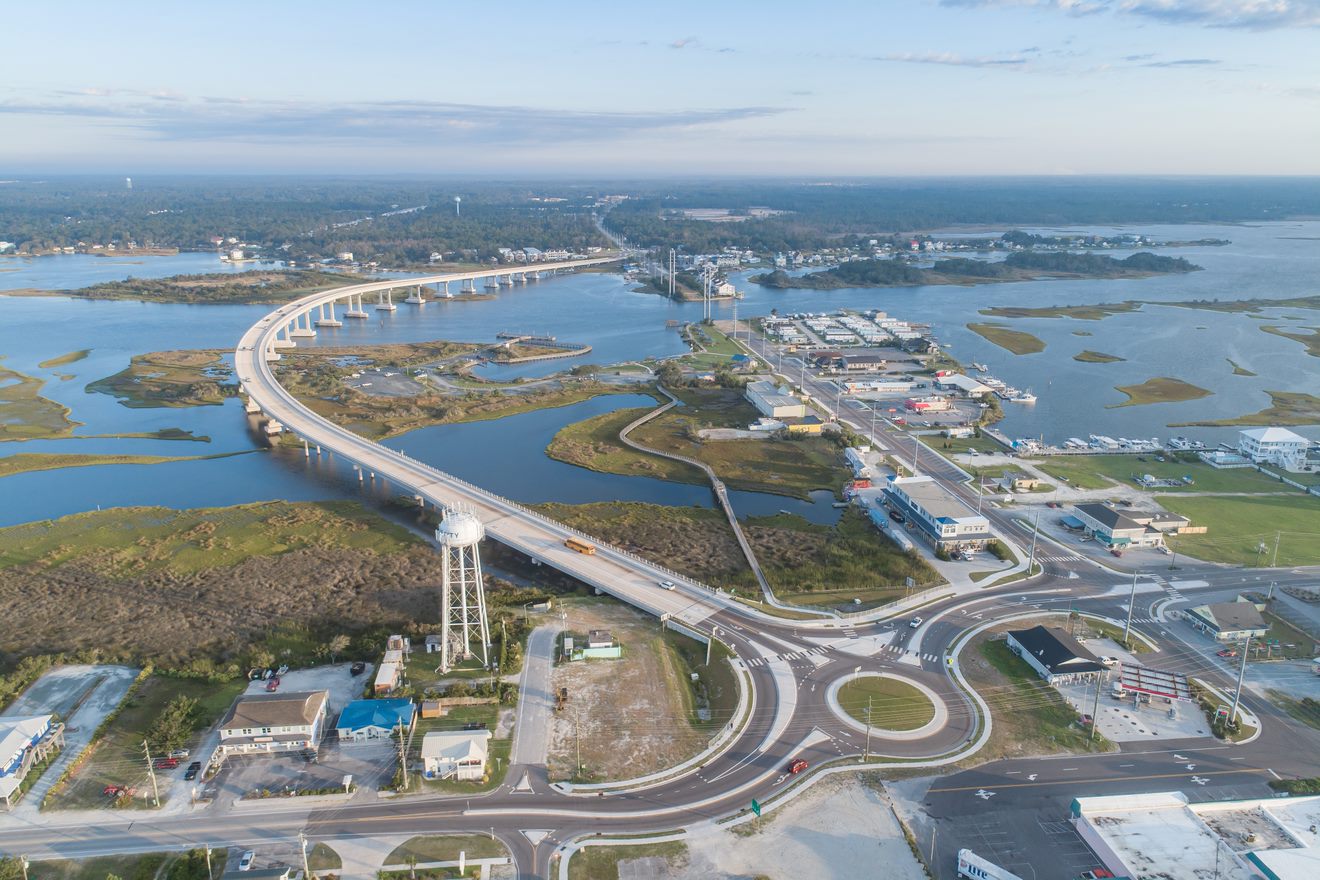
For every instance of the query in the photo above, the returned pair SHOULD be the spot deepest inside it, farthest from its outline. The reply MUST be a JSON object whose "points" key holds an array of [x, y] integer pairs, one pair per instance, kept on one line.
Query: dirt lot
{"points": [[631, 714]]}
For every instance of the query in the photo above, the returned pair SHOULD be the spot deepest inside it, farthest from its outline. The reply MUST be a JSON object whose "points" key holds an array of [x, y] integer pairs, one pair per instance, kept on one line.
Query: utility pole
{"points": [[916, 448], [1274, 563], [1095, 710], [867, 753], [208, 861], [302, 847], [1270, 596], [1132, 600], [23, 863], [1242, 674], [713, 631], [403, 755], [151, 771], [577, 735], [1035, 528]]}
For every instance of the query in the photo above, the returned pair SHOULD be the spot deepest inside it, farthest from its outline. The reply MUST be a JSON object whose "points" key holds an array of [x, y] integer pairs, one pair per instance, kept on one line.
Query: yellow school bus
{"points": [[580, 546]]}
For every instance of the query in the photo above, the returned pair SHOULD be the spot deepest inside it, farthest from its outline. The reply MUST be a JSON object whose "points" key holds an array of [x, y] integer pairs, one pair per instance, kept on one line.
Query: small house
{"points": [[456, 754], [365, 720]]}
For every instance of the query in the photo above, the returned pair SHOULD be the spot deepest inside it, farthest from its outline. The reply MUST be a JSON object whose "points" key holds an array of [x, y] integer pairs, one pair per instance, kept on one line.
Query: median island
{"points": [[1025, 266]]}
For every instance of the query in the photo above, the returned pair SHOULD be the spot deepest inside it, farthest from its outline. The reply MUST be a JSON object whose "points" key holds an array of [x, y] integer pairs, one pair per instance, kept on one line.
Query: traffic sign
{"points": [[756, 808]]}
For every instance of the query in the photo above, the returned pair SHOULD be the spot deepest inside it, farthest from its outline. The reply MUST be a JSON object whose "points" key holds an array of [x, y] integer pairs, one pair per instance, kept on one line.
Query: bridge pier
{"points": [[385, 301], [331, 320], [506, 280], [492, 283], [355, 309], [416, 297], [286, 341], [303, 329], [446, 294]]}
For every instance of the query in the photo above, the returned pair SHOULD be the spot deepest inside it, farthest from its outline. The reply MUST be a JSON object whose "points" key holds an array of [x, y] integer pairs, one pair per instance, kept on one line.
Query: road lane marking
{"points": [[1182, 775]]}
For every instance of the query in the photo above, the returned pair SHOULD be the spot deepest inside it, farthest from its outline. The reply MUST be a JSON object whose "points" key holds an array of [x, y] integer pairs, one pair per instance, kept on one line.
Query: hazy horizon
{"points": [[943, 88]]}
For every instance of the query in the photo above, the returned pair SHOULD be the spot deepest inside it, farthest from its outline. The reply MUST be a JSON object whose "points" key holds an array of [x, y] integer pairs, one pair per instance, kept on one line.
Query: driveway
{"points": [[82, 696], [532, 730], [343, 686]]}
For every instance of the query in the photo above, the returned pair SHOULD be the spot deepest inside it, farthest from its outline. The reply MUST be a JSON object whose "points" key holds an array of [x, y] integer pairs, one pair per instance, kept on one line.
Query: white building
{"points": [[941, 517], [1271, 445], [968, 386], [774, 401], [456, 754], [269, 723]]}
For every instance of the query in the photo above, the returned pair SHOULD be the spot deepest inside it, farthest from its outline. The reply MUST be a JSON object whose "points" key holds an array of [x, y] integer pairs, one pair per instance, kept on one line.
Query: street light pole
{"points": [[1242, 674], [1035, 529], [1132, 601]]}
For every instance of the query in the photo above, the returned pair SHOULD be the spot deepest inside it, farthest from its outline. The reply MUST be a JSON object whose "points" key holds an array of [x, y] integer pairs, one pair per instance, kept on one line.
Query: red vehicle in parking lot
{"points": [[165, 763], [1227, 652], [273, 684], [797, 766]]}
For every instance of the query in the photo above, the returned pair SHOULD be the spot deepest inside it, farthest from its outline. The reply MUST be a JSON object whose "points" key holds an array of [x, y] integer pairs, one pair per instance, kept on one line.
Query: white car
{"points": [[668, 585], [914, 622], [245, 861]]}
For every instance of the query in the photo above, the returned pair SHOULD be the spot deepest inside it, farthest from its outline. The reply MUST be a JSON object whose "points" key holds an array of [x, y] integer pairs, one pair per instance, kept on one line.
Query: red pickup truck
{"points": [[797, 766]]}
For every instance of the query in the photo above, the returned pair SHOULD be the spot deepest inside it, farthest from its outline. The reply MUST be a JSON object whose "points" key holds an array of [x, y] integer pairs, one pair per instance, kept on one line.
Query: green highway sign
{"points": [[756, 808]]}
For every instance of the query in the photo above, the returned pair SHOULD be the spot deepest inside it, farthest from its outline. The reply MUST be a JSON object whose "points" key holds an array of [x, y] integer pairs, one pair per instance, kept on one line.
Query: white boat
{"points": [[980, 368], [1023, 397]]}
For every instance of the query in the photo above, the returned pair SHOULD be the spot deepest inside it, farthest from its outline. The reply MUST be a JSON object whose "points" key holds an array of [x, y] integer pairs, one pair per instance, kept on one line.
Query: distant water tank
{"points": [[460, 529]]}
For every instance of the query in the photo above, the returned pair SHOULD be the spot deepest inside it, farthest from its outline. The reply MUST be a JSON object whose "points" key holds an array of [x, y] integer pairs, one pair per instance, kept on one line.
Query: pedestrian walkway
{"points": [[790, 656]]}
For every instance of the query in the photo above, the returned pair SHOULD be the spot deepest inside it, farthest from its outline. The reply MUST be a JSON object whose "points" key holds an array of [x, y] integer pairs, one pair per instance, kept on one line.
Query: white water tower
{"points": [[462, 590], [458, 204]]}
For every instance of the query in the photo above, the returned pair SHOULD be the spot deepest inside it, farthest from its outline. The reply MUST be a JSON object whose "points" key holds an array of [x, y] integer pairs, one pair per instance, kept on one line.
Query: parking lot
{"points": [[342, 684], [369, 764]]}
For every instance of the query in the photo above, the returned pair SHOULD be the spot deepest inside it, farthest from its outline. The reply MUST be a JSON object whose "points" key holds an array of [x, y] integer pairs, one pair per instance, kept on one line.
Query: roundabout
{"points": [[894, 707]]}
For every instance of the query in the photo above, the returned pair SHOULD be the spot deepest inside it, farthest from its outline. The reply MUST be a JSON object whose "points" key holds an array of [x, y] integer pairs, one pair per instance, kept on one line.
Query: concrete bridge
{"points": [[611, 570]]}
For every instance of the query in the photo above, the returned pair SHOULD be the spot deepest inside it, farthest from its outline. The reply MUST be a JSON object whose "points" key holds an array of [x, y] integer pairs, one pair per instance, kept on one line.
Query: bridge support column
{"points": [[307, 452], [302, 325], [355, 309], [384, 301], [286, 341], [416, 297], [328, 318], [447, 294]]}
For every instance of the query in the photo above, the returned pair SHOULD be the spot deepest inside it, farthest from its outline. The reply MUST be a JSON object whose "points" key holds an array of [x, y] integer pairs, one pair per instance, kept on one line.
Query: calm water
{"points": [[1274, 260]]}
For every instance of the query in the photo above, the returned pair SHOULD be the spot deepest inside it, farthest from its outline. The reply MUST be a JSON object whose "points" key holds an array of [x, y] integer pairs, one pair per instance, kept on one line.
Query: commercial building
{"points": [[24, 743], [1055, 656], [1164, 835], [941, 518], [811, 425], [365, 720], [1229, 621], [1271, 445], [964, 385], [862, 363], [1118, 530], [933, 403], [270, 723], [456, 754], [774, 401]]}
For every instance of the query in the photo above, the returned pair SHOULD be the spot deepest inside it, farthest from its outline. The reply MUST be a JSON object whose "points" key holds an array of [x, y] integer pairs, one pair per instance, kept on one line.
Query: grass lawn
{"points": [[1161, 389], [602, 862], [145, 866], [1115, 633], [716, 686], [886, 703], [321, 858], [954, 445], [1030, 717], [420, 669], [1305, 710], [1016, 341], [785, 467], [117, 757], [1238, 526], [1097, 472], [594, 444], [810, 564], [497, 761], [446, 847], [1284, 640]]}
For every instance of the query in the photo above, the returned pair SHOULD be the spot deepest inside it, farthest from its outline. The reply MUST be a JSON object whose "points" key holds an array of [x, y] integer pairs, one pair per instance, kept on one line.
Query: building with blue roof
{"points": [[364, 720]]}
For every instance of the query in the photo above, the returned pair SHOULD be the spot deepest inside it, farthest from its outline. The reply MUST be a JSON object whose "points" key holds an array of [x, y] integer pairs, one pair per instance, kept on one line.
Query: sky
{"points": [[878, 88]]}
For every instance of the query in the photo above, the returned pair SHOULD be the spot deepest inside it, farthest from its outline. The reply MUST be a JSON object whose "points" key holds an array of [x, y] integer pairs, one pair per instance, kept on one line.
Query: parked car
{"points": [[797, 766], [667, 585], [245, 860], [193, 769], [273, 684], [1087, 721], [1226, 652], [1108, 661], [357, 668], [914, 622], [896, 516], [1052, 504], [165, 763], [180, 753]]}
